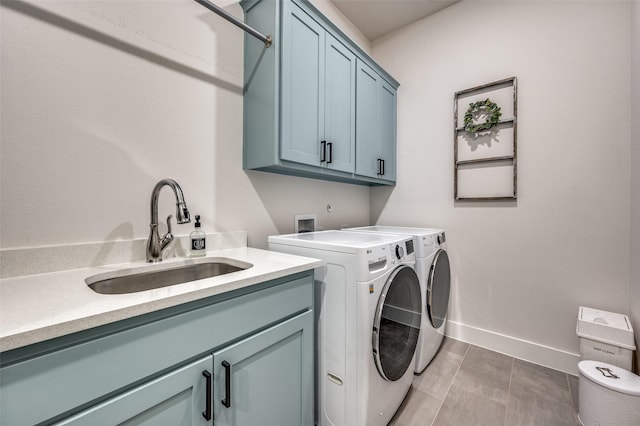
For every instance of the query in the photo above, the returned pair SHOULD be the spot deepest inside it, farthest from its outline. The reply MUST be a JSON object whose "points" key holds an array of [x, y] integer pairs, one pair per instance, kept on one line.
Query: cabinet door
{"points": [[367, 141], [267, 379], [386, 120], [177, 398], [302, 101], [375, 125], [340, 106]]}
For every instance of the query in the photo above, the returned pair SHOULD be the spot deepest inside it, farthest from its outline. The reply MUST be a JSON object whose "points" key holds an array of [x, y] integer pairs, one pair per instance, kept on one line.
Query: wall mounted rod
{"points": [[266, 39]]}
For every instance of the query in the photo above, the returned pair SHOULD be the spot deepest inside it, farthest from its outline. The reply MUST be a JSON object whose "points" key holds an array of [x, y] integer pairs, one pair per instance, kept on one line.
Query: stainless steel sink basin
{"points": [[158, 276]]}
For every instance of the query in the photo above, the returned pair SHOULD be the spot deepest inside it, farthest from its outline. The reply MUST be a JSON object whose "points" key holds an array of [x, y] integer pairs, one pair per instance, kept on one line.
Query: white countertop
{"points": [[39, 307]]}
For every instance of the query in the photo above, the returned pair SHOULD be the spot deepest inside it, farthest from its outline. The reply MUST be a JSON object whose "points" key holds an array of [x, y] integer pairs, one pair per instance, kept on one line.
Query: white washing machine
{"points": [[432, 266], [368, 315]]}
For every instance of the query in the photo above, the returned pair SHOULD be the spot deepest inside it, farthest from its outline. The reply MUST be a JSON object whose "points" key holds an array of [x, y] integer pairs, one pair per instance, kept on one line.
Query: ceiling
{"points": [[375, 18]]}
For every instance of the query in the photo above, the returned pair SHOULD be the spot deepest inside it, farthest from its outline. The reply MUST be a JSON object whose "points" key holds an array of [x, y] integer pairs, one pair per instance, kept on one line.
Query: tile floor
{"points": [[468, 385]]}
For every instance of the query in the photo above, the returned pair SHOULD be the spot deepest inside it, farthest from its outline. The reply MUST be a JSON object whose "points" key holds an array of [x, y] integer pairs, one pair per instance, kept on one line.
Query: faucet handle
{"points": [[169, 234], [166, 239]]}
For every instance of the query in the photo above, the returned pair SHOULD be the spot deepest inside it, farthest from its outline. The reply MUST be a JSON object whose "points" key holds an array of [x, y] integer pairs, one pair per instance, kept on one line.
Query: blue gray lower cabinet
{"points": [[262, 380], [177, 398], [244, 359]]}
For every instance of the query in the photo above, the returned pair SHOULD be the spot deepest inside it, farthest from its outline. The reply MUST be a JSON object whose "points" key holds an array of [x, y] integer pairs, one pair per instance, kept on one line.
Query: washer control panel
{"points": [[382, 256], [378, 257], [410, 247], [404, 251]]}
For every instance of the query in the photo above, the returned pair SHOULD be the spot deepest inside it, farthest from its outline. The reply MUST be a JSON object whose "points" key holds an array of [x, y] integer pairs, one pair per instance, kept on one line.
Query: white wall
{"points": [[99, 100], [102, 99], [521, 269], [635, 171], [337, 17]]}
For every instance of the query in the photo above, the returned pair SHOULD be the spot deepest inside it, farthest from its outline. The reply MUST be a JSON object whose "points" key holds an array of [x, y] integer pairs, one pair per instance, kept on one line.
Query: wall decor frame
{"points": [[485, 141]]}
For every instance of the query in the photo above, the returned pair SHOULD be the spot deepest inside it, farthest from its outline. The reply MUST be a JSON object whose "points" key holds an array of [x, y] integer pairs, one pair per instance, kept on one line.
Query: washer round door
{"points": [[438, 289], [397, 323]]}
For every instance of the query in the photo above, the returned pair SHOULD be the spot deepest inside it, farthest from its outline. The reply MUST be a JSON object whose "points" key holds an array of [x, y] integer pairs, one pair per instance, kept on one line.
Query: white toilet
{"points": [[607, 394]]}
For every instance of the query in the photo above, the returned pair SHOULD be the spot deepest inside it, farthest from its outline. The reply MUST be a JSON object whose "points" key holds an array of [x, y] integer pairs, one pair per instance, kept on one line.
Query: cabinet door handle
{"points": [[323, 151], [330, 146], [207, 411], [382, 168], [379, 166], [227, 384]]}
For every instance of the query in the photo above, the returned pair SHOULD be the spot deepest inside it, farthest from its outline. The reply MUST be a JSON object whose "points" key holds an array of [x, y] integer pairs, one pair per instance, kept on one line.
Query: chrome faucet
{"points": [[156, 245]]}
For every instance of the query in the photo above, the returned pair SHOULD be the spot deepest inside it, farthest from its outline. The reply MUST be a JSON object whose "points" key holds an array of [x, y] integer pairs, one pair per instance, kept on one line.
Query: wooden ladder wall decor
{"points": [[485, 141]]}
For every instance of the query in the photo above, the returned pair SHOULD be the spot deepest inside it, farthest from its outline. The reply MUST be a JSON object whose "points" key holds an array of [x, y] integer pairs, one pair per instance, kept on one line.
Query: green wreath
{"points": [[491, 109]]}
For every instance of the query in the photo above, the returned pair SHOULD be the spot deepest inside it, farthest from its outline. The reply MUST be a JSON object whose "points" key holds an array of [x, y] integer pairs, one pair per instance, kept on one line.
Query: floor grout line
{"points": [[520, 409], [575, 412], [451, 384], [506, 408]]}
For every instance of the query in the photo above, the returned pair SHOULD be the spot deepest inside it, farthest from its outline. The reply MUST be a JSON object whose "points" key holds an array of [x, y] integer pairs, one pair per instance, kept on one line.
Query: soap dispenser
{"points": [[198, 240]]}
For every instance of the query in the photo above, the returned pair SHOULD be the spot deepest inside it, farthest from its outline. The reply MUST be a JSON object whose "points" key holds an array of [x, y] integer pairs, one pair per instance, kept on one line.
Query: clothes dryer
{"points": [[368, 315], [434, 272]]}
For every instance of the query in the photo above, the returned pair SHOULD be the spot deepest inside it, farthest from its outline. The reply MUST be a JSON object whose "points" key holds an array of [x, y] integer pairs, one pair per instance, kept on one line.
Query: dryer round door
{"points": [[438, 289], [397, 323]]}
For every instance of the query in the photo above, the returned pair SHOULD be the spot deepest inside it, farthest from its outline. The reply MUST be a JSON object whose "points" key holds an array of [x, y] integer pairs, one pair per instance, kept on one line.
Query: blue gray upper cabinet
{"points": [[376, 123], [307, 110]]}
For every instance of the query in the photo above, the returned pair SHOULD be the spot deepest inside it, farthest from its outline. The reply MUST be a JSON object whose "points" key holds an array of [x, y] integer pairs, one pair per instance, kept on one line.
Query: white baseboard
{"points": [[515, 347]]}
